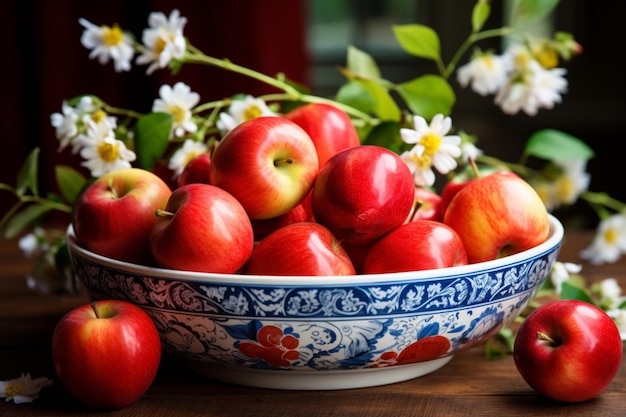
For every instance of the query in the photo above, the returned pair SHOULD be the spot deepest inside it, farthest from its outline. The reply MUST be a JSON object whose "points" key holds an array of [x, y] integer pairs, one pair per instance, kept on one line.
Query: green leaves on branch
{"points": [[530, 11], [552, 144], [152, 138]]}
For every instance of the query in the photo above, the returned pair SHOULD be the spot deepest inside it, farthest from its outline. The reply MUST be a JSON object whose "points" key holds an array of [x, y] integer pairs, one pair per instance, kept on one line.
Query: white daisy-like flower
{"points": [[241, 110], [23, 389], [66, 123], [439, 150], [609, 242], [108, 43], [420, 165], [561, 272], [178, 102], [486, 73], [572, 182], [547, 191], [190, 149], [470, 151], [610, 292], [163, 40], [102, 151], [532, 88]]}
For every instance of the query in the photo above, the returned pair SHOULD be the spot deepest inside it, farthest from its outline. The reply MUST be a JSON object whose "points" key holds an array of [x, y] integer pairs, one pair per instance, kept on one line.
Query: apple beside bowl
{"points": [[320, 333]]}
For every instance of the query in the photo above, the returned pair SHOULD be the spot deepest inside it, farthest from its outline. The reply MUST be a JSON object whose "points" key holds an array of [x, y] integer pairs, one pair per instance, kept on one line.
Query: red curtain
{"points": [[45, 63]]}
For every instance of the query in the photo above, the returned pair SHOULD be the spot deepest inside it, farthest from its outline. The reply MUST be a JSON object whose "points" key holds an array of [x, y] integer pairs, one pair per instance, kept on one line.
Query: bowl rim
{"points": [[553, 241]]}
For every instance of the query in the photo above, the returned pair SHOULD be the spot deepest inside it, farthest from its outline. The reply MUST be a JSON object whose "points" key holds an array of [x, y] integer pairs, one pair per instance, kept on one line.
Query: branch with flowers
{"points": [[409, 117]]}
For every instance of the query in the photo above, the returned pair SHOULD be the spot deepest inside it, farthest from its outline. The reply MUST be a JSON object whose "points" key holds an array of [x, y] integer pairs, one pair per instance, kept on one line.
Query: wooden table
{"points": [[470, 385]]}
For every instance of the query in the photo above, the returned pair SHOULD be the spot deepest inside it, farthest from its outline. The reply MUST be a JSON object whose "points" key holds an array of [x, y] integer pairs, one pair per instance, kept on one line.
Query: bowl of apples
{"points": [[356, 284]]}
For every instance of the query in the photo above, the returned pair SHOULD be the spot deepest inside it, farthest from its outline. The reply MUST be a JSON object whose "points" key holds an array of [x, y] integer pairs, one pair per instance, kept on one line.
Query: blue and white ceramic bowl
{"points": [[323, 332]]}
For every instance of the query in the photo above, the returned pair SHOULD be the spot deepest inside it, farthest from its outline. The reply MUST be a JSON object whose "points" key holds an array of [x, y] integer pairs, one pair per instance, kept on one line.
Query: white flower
{"points": [[532, 88], [419, 165], [101, 151], [190, 149], [23, 389], [573, 181], [178, 102], [470, 151], [163, 40], [609, 241], [439, 150], [241, 110], [486, 72], [560, 273], [66, 122], [107, 43], [619, 317]]}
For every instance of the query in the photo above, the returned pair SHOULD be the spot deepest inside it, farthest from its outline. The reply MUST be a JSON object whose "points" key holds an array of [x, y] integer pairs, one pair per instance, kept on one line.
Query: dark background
{"points": [[43, 63]]}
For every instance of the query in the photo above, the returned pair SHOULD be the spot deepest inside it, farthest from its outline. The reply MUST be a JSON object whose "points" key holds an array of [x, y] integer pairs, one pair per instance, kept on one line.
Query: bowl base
{"points": [[314, 380]]}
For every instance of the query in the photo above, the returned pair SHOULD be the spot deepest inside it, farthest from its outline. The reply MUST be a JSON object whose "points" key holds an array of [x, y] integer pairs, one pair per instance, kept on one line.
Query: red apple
{"points": [[304, 248], [425, 206], [362, 193], [447, 193], [268, 163], [568, 350], [497, 215], [263, 227], [202, 228], [196, 170], [106, 353], [113, 217], [416, 246], [329, 127]]}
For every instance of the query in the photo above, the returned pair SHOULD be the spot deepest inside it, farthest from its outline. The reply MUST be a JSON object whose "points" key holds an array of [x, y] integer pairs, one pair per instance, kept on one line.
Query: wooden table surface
{"points": [[469, 385]]}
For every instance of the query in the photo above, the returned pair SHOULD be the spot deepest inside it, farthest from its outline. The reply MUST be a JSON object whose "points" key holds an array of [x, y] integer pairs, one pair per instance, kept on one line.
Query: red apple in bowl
{"points": [[362, 193], [329, 127], [300, 249], [106, 353], [416, 246], [568, 350], [263, 227], [425, 206], [202, 228], [196, 170], [114, 215], [497, 215], [267, 163]]}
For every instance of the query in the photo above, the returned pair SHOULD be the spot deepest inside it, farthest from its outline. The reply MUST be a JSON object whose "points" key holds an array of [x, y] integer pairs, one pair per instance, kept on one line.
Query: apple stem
{"points": [[163, 213], [543, 336], [474, 167], [287, 161], [95, 310]]}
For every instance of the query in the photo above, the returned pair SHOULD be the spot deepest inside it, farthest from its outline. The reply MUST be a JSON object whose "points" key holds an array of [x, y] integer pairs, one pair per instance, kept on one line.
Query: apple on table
{"points": [[106, 353], [114, 215], [568, 350]]}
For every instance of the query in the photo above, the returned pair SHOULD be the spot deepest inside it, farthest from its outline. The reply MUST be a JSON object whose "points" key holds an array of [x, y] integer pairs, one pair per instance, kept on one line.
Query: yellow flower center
{"points": [[565, 188], [178, 113], [108, 151], [159, 45], [12, 389], [546, 55], [251, 112], [610, 235], [431, 143], [422, 162], [98, 116], [488, 61], [112, 36]]}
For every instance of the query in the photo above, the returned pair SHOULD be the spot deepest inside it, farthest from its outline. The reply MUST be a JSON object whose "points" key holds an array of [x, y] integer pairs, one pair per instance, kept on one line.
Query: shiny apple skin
{"points": [[584, 359], [300, 249], [329, 127], [209, 231], [415, 246], [196, 171], [362, 193], [250, 163], [498, 215], [114, 215]]}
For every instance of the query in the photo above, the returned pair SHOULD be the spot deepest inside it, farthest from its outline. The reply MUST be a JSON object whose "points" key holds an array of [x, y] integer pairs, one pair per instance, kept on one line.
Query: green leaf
{"points": [[528, 11], [70, 182], [572, 292], [152, 138], [27, 175], [418, 40], [480, 14], [24, 219], [384, 105], [428, 95], [552, 144], [362, 64], [354, 95], [387, 135]]}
